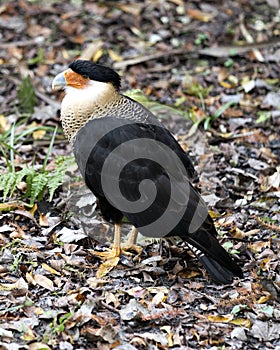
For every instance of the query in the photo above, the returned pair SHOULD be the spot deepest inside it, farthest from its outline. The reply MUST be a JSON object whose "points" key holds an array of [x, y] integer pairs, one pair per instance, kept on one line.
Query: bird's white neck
{"points": [[81, 105], [95, 92]]}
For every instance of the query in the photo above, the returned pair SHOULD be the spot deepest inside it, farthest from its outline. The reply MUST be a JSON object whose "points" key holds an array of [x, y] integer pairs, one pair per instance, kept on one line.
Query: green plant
{"points": [[37, 182], [263, 116], [26, 96], [268, 220], [229, 248], [238, 308], [58, 324], [15, 308], [18, 134], [217, 114], [155, 107], [229, 63], [193, 88], [17, 261], [208, 120], [37, 59], [200, 39], [222, 347]]}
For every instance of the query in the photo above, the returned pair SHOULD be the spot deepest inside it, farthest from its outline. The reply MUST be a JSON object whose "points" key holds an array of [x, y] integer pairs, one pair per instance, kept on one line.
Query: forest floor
{"points": [[210, 71]]}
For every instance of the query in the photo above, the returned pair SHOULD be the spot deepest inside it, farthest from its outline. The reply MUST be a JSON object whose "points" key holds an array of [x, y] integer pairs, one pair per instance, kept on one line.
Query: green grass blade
{"points": [[49, 151], [12, 153]]}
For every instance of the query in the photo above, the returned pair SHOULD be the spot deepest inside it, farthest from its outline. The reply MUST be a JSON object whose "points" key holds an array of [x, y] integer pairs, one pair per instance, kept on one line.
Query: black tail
{"points": [[212, 255], [219, 273]]}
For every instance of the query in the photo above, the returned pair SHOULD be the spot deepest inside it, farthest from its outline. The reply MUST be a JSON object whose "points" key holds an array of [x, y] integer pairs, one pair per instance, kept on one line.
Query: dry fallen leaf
{"points": [[114, 56], [97, 55], [160, 338], [112, 298], [239, 333], [265, 331], [220, 318], [38, 346], [4, 124], [28, 334], [5, 333], [157, 299], [133, 310], [39, 134], [199, 15], [43, 220], [263, 299], [230, 319], [257, 247], [186, 273], [43, 281], [245, 322], [20, 286], [107, 266], [267, 182], [50, 269], [107, 333]]}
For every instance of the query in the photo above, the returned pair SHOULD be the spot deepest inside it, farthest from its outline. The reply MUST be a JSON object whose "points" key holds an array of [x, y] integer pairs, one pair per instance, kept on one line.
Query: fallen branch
{"points": [[214, 51]]}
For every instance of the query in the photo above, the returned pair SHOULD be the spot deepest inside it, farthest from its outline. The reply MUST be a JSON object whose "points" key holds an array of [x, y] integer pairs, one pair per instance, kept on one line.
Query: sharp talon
{"points": [[110, 253], [126, 248]]}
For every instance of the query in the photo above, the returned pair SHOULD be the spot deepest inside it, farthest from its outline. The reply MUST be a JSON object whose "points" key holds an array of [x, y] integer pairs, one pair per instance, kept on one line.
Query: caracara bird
{"points": [[135, 167]]}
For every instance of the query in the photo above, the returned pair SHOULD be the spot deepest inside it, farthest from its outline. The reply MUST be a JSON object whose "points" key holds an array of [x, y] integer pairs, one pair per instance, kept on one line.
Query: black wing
{"points": [[143, 152]]}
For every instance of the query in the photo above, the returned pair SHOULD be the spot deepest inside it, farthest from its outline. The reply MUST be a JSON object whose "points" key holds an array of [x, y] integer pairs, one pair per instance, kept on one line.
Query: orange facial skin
{"points": [[75, 80]]}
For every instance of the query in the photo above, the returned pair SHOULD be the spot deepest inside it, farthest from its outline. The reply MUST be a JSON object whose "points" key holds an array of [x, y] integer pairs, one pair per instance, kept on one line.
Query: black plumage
{"points": [[96, 72], [145, 150]]}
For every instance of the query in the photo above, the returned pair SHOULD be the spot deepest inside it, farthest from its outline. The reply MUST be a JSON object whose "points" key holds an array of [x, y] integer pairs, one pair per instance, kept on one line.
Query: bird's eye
{"points": [[85, 76]]}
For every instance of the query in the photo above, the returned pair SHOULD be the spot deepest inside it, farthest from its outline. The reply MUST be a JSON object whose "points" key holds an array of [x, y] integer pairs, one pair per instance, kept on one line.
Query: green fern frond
{"points": [[37, 182], [9, 181], [6, 183], [20, 175], [10, 184], [37, 186], [3, 180], [55, 178]]}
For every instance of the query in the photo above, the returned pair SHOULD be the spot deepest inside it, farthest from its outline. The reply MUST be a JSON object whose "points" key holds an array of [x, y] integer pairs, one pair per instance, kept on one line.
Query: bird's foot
{"points": [[127, 248], [110, 253], [115, 252], [130, 244]]}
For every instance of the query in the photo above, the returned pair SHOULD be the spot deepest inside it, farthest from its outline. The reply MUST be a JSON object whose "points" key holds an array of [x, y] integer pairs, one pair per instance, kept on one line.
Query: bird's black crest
{"points": [[96, 72]]}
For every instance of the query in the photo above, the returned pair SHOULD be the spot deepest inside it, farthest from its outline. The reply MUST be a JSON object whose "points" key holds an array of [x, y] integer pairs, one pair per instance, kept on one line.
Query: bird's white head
{"points": [[90, 90]]}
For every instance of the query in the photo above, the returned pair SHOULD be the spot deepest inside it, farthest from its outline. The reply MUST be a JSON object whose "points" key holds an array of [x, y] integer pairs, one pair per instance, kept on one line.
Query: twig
{"points": [[46, 99], [109, 307], [22, 43], [234, 50], [137, 60], [18, 43], [214, 51], [267, 225]]}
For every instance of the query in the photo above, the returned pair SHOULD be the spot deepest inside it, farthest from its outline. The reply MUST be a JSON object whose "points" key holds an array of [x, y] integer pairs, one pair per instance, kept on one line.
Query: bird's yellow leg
{"points": [[131, 243], [115, 250], [117, 240], [112, 256], [132, 239]]}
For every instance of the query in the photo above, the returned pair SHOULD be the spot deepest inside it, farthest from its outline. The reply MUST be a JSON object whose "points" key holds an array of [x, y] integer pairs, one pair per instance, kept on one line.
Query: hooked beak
{"points": [[59, 82], [69, 78]]}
